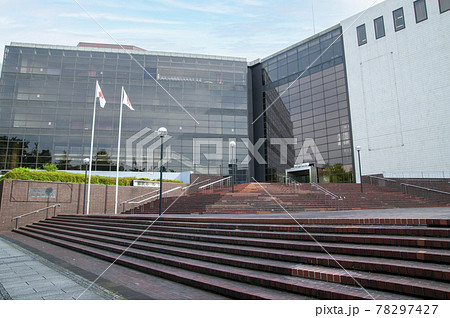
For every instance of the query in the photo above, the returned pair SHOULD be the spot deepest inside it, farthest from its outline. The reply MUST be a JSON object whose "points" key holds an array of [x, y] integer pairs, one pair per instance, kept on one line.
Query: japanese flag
{"points": [[99, 95], [126, 101]]}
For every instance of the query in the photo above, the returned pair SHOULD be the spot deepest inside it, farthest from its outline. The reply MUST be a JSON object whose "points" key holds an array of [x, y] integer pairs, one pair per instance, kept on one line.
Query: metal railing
{"points": [[139, 196], [164, 198], [193, 188], [221, 183], [294, 184], [423, 188], [154, 196], [424, 192], [329, 197], [430, 192], [380, 178], [16, 218]]}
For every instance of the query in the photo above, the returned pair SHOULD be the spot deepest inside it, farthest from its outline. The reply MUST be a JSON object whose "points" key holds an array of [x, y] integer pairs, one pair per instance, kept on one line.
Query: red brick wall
{"points": [[16, 199]]}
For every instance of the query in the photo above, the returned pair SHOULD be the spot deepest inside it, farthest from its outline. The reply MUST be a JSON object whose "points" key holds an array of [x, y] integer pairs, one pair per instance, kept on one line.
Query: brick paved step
{"points": [[232, 289], [264, 250], [286, 225], [418, 241], [318, 289], [414, 287], [438, 224], [413, 269], [382, 251], [351, 229]]}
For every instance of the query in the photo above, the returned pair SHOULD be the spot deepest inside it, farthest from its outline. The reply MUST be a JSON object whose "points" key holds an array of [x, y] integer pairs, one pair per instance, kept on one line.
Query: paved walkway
{"points": [[26, 276]]}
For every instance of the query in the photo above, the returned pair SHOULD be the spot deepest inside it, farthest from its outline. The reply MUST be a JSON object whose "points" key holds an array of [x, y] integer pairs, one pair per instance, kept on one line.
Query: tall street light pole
{"points": [[358, 149], [232, 145], [86, 162], [161, 133]]}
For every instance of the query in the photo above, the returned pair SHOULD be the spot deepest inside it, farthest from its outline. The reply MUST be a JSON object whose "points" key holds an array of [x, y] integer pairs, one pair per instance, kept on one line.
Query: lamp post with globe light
{"points": [[86, 163], [162, 132], [358, 149], [233, 146]]}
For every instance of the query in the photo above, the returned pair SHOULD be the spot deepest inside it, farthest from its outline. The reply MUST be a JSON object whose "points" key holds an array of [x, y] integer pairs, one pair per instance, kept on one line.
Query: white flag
{"points": [[99, 95], [126, 101]]}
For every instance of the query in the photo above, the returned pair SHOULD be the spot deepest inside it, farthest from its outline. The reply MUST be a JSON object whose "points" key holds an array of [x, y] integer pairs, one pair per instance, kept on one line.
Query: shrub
{"points": [[165, 180], [49, 167], [61, 176]]}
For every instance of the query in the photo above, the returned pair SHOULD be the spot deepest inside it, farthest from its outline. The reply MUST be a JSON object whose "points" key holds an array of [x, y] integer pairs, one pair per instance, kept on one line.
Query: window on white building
{"points": [[399, 19], [379, 27], [420, 10], [444, 5], [361, 33]]}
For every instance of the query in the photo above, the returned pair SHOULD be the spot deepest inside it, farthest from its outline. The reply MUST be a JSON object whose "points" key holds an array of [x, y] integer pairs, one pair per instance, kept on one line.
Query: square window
{"points": [[399, 19], [361, 33], [379, 27], [444, 5], [420, 10]]}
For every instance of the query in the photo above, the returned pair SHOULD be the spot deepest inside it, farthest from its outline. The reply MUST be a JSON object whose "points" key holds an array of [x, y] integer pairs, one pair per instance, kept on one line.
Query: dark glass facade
{"points": [[304, 97], [47, 98]]}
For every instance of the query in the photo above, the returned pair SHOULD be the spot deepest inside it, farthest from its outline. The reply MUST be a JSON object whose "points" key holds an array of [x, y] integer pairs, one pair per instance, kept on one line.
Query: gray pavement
{"points": [[407, 213], [27, 276]]}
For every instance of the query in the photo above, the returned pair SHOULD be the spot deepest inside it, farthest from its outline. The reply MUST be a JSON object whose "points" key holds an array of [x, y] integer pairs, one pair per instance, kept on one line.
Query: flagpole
{"points": [[90, 155], [118, 152]]}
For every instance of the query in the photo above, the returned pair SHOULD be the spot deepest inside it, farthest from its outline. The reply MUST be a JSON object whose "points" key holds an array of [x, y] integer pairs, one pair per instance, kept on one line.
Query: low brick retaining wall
{"points": [[18, 197]]}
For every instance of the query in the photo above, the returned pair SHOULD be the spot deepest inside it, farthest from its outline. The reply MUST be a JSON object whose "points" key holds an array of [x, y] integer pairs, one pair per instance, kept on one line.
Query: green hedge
{"points": [[61, 176]]}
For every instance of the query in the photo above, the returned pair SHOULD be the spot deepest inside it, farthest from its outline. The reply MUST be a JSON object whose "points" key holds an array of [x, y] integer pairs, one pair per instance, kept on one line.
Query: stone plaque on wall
{"points": [[43, 193]]}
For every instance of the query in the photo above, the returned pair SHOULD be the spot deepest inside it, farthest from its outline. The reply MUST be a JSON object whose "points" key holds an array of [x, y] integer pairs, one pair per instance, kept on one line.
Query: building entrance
{"points": [[304, 173]]}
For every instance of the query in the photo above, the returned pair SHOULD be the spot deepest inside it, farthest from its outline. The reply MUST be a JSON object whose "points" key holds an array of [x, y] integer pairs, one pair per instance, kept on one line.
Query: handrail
{"points": [[423, 188], [201, 182], [197, 184], [210, 184], [329, 193], [139, 196], [155, 196], [145, 194], [406, 185], [289, 181], [16, 218], [380, 178]]}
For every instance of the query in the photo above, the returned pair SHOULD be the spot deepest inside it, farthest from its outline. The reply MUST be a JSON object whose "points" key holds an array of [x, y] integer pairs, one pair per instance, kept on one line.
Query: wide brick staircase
{"points": [[193, 203], [269, 258], [279, 198]]}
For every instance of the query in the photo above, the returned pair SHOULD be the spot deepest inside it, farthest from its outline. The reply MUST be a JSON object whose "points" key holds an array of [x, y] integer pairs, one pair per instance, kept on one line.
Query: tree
{"points": [[64, 163]]}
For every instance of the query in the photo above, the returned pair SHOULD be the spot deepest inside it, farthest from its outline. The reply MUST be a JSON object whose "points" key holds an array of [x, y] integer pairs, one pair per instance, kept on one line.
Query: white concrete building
{"points": [[397, 56]]}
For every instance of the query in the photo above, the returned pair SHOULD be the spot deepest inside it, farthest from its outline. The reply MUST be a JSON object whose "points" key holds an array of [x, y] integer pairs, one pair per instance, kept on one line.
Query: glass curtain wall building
{"points": [[303, 100], [47, 98]]}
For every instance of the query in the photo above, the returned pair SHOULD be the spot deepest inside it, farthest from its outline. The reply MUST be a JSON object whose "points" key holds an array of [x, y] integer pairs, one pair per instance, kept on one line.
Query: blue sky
{"points": [[242, 28]]}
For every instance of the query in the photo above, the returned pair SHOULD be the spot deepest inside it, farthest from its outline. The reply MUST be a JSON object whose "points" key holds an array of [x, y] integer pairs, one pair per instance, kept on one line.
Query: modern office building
{"points": [[301, 111], [378, 80], [47, 100]]}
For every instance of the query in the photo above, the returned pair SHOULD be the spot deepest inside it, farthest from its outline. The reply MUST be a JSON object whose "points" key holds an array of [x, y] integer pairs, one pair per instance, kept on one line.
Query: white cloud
{"points": [[117, 18], [245, 28]]}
